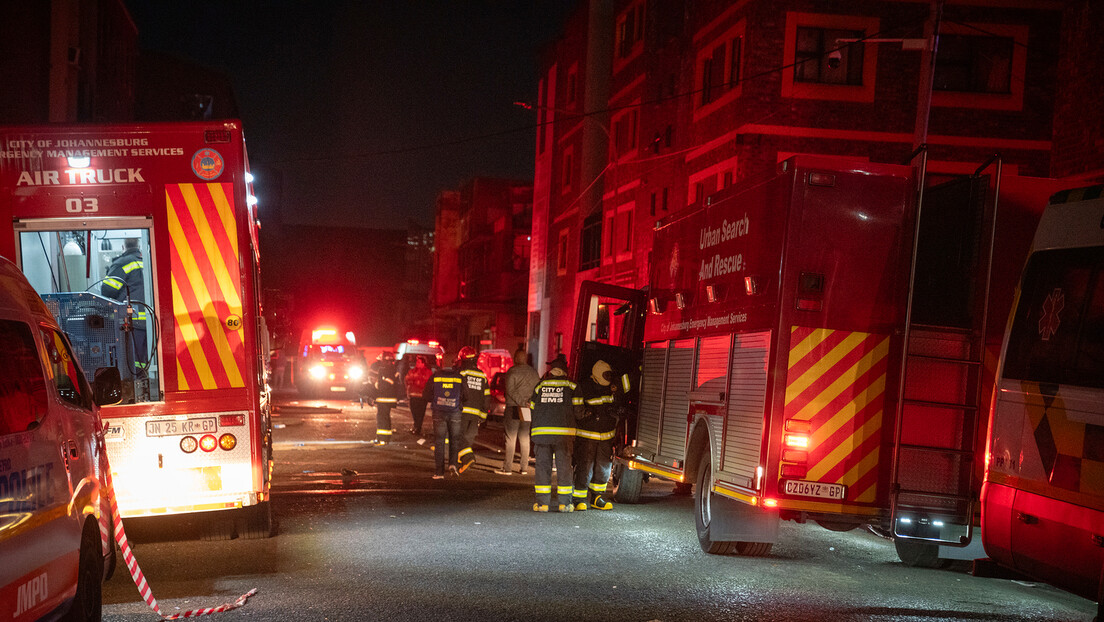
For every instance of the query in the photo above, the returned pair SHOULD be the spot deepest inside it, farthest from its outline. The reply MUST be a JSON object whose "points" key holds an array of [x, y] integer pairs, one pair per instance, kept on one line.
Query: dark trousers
{"points": [[552, 452], [417, 410], [383, 421], [469, 426], [593, 462], [446, 429]]}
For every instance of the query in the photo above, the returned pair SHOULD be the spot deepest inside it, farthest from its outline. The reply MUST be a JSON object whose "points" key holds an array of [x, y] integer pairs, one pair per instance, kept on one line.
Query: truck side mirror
{"points": [[107, 386]]}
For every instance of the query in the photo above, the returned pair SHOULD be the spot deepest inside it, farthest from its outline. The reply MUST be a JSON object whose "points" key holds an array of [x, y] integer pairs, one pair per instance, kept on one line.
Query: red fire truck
{"points": [[774, 372], [143, 241]]}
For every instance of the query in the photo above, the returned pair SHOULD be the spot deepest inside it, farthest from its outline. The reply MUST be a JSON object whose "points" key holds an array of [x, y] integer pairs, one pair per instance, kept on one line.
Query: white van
{"points": [[53, 492]]}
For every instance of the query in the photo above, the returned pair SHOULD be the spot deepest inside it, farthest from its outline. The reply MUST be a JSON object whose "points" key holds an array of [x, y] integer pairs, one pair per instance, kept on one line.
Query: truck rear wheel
{"points": [[703, 510], [918, 554], [218, 525], [627, 484], [255, 522]]}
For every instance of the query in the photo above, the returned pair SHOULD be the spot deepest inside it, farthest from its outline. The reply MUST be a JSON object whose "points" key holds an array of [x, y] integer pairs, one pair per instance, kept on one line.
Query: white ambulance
{"points": [[53, 466]]}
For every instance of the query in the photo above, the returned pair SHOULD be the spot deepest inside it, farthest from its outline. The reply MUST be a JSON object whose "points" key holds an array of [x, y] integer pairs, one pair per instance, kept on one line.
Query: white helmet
{"points": [[601, 373]]}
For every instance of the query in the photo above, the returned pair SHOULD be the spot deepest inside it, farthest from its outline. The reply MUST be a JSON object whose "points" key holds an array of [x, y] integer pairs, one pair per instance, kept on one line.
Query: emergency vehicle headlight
{"points": [[188, 444], [228, 441], [208, 442], [356, 373], [317, 372]]}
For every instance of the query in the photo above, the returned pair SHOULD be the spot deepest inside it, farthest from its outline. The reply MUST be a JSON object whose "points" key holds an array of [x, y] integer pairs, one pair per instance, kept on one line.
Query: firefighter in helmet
{"points": [[387, 396], [594, 435], [476, 402], [553, 406], [125, 282]]}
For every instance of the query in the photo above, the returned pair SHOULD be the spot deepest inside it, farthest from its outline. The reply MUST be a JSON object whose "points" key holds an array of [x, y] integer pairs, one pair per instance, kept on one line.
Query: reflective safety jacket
{"points": [[599, 419], [125, 282], [477, 393], [387, 386], [553, 410]]}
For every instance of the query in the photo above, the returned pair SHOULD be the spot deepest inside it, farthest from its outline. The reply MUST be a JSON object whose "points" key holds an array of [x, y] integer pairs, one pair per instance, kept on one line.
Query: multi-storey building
{"points": [[480, 265], [647, 107]]}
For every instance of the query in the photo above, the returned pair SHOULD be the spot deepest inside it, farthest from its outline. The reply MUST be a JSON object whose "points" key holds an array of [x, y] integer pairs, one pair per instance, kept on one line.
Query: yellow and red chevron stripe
{"points": [[206, 283], [836, 382]]}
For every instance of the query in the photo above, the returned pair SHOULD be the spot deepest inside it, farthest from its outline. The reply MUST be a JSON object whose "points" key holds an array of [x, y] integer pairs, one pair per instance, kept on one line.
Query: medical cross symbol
{"points": [[1052, 306]]}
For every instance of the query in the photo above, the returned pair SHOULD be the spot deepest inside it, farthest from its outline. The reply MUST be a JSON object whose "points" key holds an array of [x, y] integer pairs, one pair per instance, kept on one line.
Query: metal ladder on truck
{"points": [[934, 486]]}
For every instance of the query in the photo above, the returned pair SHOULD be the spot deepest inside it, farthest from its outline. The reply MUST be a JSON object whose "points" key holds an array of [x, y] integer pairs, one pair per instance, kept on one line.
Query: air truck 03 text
{"points": [[143, 241], [774, 372]]}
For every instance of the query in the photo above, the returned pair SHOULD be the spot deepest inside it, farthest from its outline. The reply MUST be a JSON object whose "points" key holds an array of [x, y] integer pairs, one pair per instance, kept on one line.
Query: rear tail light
{"points": [[208, 442], [188, 444], [794, 455], [797, 441], [228, 442], [796, 471], [225, 420]]}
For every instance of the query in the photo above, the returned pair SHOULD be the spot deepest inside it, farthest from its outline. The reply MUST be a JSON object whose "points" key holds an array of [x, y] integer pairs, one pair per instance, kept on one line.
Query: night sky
{"points": [[355, 103]]}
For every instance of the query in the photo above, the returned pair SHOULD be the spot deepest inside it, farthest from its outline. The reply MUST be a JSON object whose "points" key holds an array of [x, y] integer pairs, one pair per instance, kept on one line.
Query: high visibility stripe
{"points": [[594, 436], [836, 384], [206, 286], [552, 382], [387, 400], [446, 379], [543, 489], [598, 487], [595, 401], [113, 282], [580, 492], [473, 372], [625, 383], [132, 266], [471, 410], [577, 401], [383, 432], [463, 452], [563, 490], [550, 431]]}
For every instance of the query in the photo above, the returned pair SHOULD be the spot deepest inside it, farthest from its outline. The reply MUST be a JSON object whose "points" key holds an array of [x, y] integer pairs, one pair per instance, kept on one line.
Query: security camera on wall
{"points": [[835, 58]]}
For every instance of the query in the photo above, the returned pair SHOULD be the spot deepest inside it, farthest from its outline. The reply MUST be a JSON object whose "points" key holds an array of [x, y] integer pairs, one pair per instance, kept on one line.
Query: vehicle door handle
{"points": [[1027, 519]]}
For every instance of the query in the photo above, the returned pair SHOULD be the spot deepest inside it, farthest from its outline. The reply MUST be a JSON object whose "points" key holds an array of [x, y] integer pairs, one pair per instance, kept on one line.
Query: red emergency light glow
{"points": [[208, 443], [320, 334], [413, 342], [797, 441], [770, 503], [806, 304], [794, 455], [795, 471], [225, 420], [434, 344]]}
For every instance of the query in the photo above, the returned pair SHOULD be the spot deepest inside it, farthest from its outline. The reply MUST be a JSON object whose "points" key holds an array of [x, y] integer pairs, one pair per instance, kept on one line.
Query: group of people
{"points": [[571, 426]]}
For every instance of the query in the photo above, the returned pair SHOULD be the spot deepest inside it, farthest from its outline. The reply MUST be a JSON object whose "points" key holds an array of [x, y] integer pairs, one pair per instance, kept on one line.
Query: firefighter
{"points": [[387, 395], [553, 407], [476, 402], [444, 392], [125, 282], [593, 451], [416, 379]]}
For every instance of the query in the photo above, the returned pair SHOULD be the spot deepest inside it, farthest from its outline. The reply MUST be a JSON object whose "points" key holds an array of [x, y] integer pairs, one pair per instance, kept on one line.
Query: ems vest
{"points": [[599, 420], [553, 410]]}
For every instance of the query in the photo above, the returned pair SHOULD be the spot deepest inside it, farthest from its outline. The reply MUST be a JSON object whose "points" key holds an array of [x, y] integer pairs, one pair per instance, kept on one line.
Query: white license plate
{"points": [[174, 427], [337, 388], [814, 489]]}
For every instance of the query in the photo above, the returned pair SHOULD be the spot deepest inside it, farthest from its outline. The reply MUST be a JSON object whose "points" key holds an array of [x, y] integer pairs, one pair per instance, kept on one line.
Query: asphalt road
{"points": [[364, 533]]}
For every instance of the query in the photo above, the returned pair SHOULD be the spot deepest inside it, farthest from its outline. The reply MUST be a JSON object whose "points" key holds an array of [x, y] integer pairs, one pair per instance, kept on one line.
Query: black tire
{"points": [[218, 526], [754, 549], [255, 522], [703, 512], [88, 603], [918, 554], [627, 484]]}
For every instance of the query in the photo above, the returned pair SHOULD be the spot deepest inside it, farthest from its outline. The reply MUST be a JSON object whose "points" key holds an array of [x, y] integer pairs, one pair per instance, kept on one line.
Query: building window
{"points": [[651, 208], [624, 132], [590, 252], [561, 257], [608, 235], [974, 64], [665, 199], [628, 237], [718, 69], [572, 86], [568, 169], [813, 45], [630, 30], [814, 52]]}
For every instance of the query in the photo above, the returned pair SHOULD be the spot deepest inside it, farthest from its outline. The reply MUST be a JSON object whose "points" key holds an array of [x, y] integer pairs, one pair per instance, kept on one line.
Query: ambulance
{"points": [[1043, 496], [54, 507]]}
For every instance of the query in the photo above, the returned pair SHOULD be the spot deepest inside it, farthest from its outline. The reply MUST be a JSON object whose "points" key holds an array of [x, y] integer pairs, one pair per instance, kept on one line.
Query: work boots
{"points": [[601, 504]]}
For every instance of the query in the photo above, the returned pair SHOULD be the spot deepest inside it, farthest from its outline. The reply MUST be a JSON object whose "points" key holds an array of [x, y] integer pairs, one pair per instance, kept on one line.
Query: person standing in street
{"points": [[416, 379], [476, 402], [593, 451], [553, 406], [125, 282], [444, 392], [521, 379], [387, 396]]}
